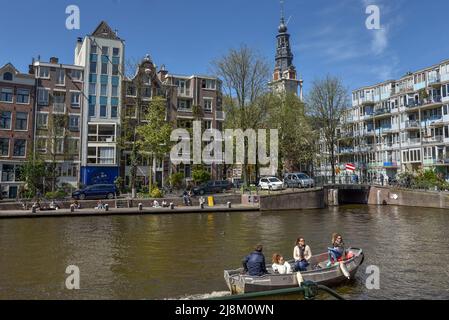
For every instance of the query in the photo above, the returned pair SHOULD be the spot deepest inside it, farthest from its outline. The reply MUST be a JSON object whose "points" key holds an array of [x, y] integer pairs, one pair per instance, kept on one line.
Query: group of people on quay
{"points": [[254, 264]]}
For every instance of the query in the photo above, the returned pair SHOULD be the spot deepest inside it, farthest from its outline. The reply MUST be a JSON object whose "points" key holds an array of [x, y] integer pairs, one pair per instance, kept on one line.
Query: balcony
{"points": [[435, 139], [185, 92], [412, 141], [412, 124], [184, 109], [383, 111], [59, 107], [434, 79]]}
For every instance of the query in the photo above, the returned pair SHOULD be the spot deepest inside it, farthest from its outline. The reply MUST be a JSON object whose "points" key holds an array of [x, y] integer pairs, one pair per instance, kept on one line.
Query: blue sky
{"points": [[328, 36]]}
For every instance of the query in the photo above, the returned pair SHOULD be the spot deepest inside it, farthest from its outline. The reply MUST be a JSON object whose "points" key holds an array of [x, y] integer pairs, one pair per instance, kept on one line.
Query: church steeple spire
{"points": [[284, 76]]}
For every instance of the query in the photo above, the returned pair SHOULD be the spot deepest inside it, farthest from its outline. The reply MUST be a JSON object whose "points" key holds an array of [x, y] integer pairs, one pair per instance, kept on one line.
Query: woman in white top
{"points": [[280, 266], [302, 255]]}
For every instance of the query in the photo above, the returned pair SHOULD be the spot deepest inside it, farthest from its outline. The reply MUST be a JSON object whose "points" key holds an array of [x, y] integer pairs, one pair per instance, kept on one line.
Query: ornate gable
{"points": [[104, 31]]}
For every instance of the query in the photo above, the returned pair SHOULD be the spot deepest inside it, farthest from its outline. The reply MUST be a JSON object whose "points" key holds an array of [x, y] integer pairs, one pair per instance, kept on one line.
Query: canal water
{"points": [[183, 256]]}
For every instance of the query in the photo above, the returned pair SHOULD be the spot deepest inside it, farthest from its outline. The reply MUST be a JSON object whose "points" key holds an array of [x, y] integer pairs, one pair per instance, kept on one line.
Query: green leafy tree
{"points": [[200, 176], [155, 134], [32, 172]]}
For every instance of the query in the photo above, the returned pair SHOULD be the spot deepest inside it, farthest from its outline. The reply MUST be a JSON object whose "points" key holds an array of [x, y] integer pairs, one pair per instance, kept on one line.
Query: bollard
{"points": [[172, 206], [202, 205], [33, 209], [140, 206], [106, 207], [229, 205], [72, 208]]}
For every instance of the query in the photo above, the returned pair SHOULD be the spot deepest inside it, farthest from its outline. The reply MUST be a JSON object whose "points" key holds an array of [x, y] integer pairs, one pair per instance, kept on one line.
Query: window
{"points": [[41, 145], [115, 91], [147, 92], [74, 123], [42, 120], [73, 146], [104, 68], [104, 90], [114, 111], [76, 97], [5, 120], [208, 125], [105, 51], [59, 146], [23, 96], [103, 111], [6, 95], [93, 48], [106, 155], [207, 105], [4, 147], [60, 77], [92, 110], [21, 121], [8, 173], [208, 84], [44, 72], [92, 89], [19, 148], [115, 70], [93, 67], [76, 75], [116, 52], [131, 91], [7, 76], [42, 96]]}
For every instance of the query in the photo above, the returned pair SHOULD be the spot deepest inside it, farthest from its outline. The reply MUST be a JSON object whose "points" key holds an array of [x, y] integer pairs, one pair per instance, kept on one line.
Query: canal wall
{"points": [[410, 198], [304, 199]]}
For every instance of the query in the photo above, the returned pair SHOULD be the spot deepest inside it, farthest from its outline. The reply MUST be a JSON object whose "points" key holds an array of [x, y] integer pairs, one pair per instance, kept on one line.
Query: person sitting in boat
{"points": [[280, 265], [338, 252], [254, 264], [302, 254]]}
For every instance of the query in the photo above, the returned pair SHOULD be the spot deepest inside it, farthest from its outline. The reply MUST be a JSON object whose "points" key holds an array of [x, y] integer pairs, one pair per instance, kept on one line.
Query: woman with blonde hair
{"points": [[280, 265]]}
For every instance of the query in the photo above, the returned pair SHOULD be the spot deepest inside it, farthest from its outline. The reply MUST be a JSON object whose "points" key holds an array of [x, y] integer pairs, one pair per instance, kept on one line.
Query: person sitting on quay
{"points": [[156, 204], [254, 263], [302, 254], [100, 205], [280, 266], [165, 204]]}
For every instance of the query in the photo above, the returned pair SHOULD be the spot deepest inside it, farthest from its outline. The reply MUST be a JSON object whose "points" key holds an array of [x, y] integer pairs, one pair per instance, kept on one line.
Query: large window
{"points": [[76, 75], [19, 148], [42, 120], [92, 89], [101, 133], [103, 111], [8, 173], [42, 96], [4, 147], [115, 69], [101, 155], [74, 123], [115, 91], [209, 84], [73, 146], [208, 105], [114, 112], [116, 52], [60, 77], [44, 72], [59, 146], [41, 145], [105, 51], [21, 121], [5, 120], [6, 94], [104, 68], [76, 98], [7, 76], [92, 111], [104, 90], [23, 96], [93, 67]]}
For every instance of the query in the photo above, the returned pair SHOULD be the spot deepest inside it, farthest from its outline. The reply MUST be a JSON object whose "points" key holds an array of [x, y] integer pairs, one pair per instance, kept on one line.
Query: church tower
{"points": [[285, 78]]}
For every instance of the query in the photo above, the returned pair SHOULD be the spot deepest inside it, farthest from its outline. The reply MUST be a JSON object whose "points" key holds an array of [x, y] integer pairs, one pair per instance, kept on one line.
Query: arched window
{"points": [[7, 76]]}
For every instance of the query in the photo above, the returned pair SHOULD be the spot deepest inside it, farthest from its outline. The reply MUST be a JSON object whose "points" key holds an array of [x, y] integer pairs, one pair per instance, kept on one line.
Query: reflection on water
{"points": [[183, 256]]}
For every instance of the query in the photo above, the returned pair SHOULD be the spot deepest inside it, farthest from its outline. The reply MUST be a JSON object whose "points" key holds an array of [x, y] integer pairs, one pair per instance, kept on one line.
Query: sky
{"points": [[327, 36]]}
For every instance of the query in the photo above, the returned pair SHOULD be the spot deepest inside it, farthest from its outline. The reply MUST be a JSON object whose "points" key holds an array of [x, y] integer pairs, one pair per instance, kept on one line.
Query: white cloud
{"points": [[379, 42]]}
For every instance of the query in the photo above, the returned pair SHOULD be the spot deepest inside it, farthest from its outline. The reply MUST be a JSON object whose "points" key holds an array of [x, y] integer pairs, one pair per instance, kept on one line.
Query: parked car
{"points": [[96, 191], [271, 183], [298, 180], [213, 187]]}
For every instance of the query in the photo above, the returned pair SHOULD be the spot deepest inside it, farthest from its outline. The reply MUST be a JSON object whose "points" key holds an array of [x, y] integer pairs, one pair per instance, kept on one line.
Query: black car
{"points": [[97, 191], [213, 187]]}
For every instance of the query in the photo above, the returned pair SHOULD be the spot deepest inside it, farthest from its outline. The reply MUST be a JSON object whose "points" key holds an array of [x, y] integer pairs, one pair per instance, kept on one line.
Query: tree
{"points": [[327, 102], [31, 173], [297, 140], [200, 175], [245, 76], [154, 136]]}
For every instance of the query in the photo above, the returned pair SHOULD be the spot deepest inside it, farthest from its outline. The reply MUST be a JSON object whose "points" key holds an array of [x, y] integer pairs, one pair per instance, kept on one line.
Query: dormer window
{"points": [[7, 76]]}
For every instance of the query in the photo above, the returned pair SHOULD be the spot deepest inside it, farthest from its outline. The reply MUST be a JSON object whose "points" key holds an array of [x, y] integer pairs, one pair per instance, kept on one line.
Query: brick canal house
{"points": [[16, 127]]}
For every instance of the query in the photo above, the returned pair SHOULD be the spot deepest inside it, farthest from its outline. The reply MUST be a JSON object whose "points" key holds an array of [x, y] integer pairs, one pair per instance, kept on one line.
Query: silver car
{"points": [[298, 180]]}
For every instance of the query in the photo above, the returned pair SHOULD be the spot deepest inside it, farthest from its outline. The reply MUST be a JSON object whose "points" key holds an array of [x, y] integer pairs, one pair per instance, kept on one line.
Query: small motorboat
{"points": [[320, 273]]}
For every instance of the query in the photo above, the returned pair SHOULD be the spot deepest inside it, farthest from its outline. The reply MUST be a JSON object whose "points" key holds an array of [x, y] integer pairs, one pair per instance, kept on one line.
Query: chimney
{"points": [[31, 67], [54, 60]]}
